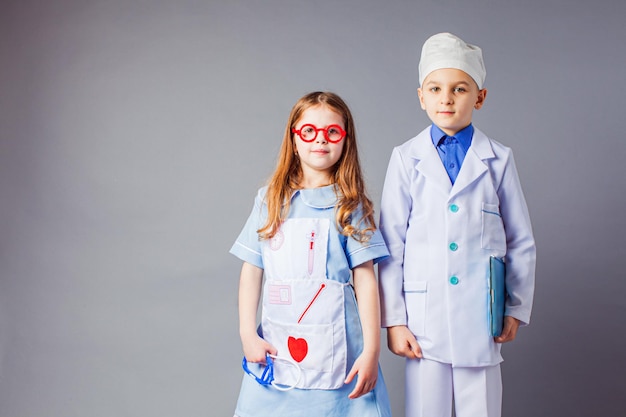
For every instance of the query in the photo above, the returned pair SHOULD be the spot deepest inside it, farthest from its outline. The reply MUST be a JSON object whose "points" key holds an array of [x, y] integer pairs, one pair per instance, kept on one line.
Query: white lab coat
{"points": [[440, 237]]}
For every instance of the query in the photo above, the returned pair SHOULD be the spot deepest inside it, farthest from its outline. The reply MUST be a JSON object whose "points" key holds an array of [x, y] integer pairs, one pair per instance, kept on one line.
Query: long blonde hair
{"points": [[347, 175]]}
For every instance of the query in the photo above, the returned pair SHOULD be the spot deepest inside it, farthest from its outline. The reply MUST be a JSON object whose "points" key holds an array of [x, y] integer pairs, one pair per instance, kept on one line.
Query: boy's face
{"points": [[449, 97]]}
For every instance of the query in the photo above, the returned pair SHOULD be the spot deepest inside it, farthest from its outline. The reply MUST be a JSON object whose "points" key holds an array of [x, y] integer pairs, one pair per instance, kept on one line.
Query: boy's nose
{"points": [[446, 98]]}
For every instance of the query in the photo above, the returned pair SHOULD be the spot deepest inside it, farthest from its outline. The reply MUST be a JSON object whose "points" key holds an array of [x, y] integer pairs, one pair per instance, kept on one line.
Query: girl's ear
{"points": [[480, 100]]}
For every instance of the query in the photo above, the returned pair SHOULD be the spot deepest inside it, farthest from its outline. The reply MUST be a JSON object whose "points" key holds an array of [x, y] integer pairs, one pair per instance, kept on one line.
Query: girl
{"points": [[309, 228]]}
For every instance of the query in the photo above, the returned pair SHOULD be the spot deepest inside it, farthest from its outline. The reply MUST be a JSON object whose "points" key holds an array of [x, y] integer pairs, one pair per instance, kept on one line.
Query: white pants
{"points": [[431, 387]]}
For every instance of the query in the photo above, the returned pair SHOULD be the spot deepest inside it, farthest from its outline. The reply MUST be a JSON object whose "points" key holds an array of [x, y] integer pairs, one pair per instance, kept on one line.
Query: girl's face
{"points": [[318, 157]]}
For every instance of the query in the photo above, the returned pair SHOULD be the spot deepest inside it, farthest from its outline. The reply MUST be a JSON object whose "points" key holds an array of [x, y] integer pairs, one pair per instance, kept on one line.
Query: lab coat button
{"points": [[453, 246], [454, 280], [454, 208]]}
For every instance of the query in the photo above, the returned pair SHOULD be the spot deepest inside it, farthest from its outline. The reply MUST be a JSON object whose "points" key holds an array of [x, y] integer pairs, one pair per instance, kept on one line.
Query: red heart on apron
{"points": [[298, 348]]}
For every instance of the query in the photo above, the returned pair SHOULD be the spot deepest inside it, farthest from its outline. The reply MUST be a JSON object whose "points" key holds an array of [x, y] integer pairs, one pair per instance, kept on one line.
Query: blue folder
{"points": [[497, 295]]}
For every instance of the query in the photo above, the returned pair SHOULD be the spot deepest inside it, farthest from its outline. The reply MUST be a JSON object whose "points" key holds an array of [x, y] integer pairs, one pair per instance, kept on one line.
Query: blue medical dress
{"points": [[306, 254]]}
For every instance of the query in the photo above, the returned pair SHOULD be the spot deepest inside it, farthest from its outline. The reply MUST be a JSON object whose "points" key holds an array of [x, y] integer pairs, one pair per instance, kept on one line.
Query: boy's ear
{"points": [[480, 100], [419, 94]]}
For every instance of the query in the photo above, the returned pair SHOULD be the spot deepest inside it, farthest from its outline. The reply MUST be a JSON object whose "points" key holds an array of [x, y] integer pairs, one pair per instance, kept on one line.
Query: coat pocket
{"points": [[415, 293], [493, 236]]}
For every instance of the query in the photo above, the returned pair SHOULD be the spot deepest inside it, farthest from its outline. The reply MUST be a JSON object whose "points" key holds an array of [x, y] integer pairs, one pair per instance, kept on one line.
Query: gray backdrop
{"points": [[134, 134]]}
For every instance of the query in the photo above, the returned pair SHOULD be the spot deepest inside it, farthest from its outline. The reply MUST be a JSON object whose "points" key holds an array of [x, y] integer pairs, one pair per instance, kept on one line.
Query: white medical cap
{"points": [[445, 50]]}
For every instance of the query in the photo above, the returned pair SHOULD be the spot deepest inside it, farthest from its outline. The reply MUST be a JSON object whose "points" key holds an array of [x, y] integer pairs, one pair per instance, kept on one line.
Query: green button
{"points": [[454, 208], [454, 280], [453, 246]]}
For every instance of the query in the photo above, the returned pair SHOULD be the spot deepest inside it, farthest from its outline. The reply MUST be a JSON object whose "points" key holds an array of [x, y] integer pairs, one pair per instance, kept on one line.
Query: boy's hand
{"points": [[366, 367], [402, 342], [509, 330]]}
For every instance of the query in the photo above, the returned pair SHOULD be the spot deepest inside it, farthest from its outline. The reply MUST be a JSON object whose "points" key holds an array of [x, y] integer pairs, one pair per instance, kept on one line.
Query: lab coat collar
{"points": [[429, 162], [320, 198]]}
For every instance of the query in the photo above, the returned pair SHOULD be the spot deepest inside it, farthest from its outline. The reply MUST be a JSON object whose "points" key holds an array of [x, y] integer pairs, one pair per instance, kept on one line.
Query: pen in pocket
{"points": [[311, 251]]}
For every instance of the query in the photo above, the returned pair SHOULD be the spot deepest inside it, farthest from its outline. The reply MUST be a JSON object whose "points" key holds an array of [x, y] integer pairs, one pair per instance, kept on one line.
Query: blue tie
{"points": [[452, 156]]}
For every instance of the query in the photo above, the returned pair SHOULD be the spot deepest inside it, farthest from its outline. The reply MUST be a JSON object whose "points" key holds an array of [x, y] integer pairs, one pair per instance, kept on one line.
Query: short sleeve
{"points": [[247, 247], [360, 252]]}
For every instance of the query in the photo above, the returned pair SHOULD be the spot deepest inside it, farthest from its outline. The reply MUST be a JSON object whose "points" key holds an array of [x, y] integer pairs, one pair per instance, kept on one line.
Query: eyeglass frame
{"points": [[320, 129]]}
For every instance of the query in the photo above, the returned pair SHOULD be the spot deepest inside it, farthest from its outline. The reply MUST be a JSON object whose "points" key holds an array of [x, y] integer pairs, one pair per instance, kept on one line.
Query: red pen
{"points": [[322, 286], [311, 251]]}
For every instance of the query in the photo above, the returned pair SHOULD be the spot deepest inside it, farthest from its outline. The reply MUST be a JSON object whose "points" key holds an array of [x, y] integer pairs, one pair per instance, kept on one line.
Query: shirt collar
{"points": [[464, 136], [321, 198]]}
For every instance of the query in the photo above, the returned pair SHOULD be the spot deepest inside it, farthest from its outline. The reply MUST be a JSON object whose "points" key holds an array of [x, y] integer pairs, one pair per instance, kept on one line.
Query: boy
{"points": [[452, 199]]}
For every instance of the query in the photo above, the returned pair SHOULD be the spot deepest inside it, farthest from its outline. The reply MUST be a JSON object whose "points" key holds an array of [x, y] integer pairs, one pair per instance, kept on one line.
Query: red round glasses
{"points": [[332, 133]]}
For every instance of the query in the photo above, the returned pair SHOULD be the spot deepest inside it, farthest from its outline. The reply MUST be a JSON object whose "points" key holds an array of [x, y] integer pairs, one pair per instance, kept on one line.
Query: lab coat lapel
{"points": [[473, 165], [428, 161]]}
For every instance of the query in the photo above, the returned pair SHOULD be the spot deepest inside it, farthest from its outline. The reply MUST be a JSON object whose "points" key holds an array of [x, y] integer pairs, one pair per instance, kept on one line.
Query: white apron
{"points": [[303, 312]]}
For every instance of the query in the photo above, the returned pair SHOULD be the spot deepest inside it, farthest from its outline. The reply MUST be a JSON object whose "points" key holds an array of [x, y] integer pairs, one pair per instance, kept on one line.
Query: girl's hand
{"points": [[366, 367], [255, 348], [250, 281], [509, 330], [402, 342]]}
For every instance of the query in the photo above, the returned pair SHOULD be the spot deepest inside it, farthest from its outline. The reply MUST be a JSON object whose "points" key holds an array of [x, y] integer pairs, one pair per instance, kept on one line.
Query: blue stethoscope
{"points": [[267, 377]]}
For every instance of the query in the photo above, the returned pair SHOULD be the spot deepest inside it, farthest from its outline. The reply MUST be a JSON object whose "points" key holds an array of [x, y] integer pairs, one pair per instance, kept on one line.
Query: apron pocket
{"points": [[318, 349]]}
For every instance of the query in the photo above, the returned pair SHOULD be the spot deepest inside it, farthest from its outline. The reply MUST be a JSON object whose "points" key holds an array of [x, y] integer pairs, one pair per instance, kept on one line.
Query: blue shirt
{"points": [[452, 149]]}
